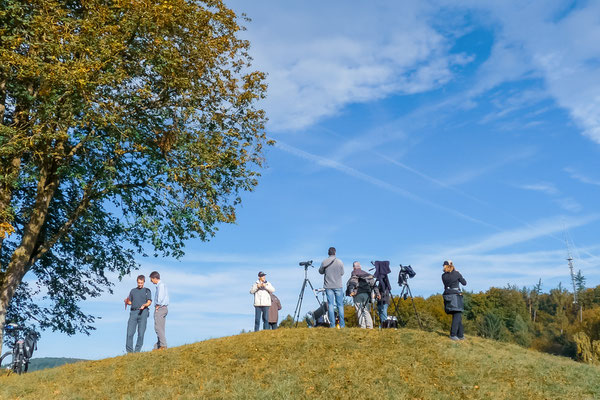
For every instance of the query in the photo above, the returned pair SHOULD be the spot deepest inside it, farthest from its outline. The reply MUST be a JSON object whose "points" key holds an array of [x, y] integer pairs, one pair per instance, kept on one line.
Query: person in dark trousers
{"points": [[382, 269], [451, 279], [139, 299], [274, 311]]}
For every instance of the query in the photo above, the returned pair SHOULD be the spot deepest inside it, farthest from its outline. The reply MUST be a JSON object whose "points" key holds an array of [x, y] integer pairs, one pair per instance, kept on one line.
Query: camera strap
{"points": [[330, 263]]}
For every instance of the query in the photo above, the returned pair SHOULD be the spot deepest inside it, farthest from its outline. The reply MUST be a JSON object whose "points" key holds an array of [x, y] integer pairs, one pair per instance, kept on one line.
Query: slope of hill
{"points": [[319, 363]]}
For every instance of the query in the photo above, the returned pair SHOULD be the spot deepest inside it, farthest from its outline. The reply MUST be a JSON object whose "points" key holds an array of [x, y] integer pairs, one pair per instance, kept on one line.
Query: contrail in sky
{"points": [[322, 161]]}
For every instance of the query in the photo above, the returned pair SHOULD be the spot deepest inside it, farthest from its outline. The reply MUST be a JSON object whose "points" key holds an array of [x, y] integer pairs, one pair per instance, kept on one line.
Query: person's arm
{"points": [[148, 299], [322, 268], [270, 288], [128, 300], [254, 288], [352, 284], [160, 295], [278, 304], [377, 292], [461, 279]]}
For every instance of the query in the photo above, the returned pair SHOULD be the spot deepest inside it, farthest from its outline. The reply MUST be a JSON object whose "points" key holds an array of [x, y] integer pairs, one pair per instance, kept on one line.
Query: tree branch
{"points": [[84, 204]]}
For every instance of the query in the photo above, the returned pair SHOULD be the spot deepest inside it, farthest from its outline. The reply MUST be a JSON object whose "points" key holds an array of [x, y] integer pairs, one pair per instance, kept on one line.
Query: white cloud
{"points": [[544, 187], [552, 41], [544, 227], [569, 204], [319, 62], [581, 177]]}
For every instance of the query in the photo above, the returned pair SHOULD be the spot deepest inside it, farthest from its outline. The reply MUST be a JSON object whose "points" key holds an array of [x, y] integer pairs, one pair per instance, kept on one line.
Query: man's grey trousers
{"points": [[136, 321], [160, 317]]}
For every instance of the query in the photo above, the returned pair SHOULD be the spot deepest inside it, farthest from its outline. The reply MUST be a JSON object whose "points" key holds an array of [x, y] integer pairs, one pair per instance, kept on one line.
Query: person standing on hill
{"points": [[451, 279], [361, 286], [139, 299], [274, 311], [161, 309], [333, 269], [261, 289]]}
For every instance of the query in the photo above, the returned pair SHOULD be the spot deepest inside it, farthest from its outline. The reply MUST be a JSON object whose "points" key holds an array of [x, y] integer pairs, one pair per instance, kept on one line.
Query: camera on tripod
{"points": [[406, 272], [306, 263]]}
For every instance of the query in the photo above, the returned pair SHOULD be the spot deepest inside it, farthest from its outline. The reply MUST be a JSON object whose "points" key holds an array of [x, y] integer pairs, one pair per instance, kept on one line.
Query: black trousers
{"points": [[457, 327]]}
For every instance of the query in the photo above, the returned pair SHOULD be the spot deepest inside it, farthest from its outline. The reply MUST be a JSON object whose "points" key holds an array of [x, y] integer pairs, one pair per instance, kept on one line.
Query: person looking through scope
{"points": [[453, 302], [333, 269], [361, 287]]}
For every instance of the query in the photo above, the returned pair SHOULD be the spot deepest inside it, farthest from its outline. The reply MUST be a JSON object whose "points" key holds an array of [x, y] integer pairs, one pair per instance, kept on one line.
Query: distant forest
{"points": [[549, 322]]}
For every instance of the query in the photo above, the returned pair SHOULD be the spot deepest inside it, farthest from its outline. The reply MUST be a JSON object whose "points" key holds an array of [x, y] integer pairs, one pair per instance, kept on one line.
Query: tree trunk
{"points": [[22, 256]]}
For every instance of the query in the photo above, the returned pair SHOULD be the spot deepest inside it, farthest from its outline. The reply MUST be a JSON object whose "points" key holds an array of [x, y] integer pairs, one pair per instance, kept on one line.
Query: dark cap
{"points": [[261, 274], [446, 263]]}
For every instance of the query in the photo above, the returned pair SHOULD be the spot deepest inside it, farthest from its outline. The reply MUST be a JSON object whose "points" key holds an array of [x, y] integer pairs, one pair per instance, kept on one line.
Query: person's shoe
{"points": [[461, 338], [454, 338]]}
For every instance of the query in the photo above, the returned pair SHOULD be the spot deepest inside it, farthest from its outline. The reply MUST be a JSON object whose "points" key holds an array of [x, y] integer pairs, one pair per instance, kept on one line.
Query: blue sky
{"points": [[406, 131]]}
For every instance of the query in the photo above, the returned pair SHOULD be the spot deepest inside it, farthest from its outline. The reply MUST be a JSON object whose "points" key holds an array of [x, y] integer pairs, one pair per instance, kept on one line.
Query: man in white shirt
{"points": [[161, 309]]}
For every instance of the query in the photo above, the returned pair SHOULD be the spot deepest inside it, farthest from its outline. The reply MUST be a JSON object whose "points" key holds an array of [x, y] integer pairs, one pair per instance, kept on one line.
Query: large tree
{"points": [[127, 126]]}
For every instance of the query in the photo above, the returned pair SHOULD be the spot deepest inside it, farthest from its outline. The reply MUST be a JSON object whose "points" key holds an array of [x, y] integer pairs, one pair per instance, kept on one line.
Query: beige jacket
{"points": [[262, 296]]}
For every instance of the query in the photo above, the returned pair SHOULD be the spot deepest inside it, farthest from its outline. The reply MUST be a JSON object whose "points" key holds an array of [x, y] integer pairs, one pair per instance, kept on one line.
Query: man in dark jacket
{"points": [[274, 311], [361, 287]]}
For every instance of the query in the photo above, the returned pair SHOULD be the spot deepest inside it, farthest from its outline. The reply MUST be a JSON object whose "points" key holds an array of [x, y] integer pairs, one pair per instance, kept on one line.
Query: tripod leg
{"points": [[299, 304], [395, 303], [313, 290], [414, 307]]}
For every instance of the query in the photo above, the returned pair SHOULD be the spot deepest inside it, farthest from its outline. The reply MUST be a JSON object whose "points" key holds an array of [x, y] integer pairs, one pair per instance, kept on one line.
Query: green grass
{"points": [[319, 363]]}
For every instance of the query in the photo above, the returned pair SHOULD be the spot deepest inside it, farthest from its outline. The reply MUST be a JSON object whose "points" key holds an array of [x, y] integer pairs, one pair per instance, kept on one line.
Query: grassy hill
{"points": [[319, 363]]}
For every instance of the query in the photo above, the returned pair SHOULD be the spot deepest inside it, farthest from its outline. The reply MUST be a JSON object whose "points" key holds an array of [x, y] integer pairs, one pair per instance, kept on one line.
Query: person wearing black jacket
{"points": [[451, 279]]}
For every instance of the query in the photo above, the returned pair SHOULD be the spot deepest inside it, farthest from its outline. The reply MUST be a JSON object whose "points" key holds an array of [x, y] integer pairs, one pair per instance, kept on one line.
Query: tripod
{"points": [[301, 296], [403, 281]]}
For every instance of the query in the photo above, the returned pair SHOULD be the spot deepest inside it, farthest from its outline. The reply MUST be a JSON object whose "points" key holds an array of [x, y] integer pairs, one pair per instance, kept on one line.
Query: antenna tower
{"points": [[570, 261]]}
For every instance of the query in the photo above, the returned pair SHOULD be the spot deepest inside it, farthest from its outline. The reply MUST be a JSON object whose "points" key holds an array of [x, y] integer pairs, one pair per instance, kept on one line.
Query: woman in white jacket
{"points": [[262, 300]]}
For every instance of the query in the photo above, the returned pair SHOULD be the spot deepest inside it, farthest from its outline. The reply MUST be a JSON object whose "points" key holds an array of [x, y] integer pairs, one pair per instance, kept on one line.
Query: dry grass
{"points": [[319, 363]]}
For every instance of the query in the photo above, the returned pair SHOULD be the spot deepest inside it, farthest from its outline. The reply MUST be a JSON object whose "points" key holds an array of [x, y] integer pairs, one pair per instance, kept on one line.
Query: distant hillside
{"points": [[349, 364], [37, 364]]}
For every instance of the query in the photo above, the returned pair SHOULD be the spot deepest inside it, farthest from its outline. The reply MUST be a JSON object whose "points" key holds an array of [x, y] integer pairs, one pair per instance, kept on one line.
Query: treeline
{"points": [[549, 322]]}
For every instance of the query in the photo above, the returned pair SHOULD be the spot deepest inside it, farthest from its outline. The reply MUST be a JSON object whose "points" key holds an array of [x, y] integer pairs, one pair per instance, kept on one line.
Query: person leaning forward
{"points": [[161, 309], [360, 286], [333, 269], [139, 299]]}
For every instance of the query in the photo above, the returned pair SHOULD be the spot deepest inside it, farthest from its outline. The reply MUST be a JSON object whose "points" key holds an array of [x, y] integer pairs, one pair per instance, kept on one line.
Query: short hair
{"points": [[154, 275], [141, 278], [355, 264], [331, 251]]}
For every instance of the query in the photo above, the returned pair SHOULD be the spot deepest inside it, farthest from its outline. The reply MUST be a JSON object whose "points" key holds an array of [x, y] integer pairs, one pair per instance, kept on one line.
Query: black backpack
{"points": [[29, 345]]}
